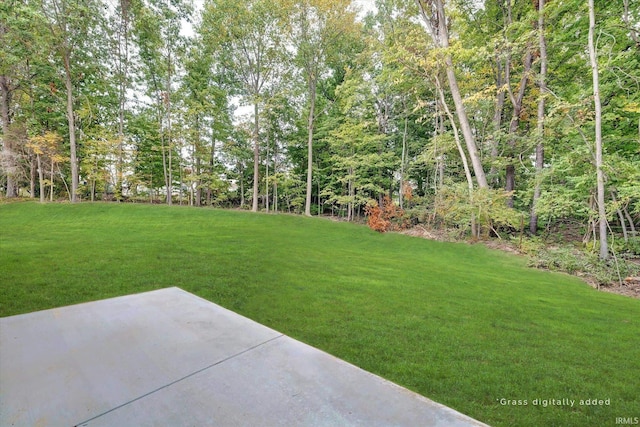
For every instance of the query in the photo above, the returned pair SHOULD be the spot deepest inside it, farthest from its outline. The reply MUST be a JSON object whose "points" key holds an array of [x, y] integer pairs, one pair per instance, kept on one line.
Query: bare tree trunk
{"points": [[164, 161], [630, 221], [256, 156], [241, 187], [212, 162], [351, 194], [51, 176], [75, 179], [9, 159], [542, 83], [275, 177], [32, 177], [197, 197], [602, 214], [497, 119], [463, 156], [625, 234], [266, 178], [310, 125], [40, 177], [517, 101], [123, 65], [169, 136], [402, 163]]}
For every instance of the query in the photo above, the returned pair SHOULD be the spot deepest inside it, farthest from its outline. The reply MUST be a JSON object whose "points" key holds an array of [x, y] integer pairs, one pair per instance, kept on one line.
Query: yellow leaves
{"points": [[47, 144], [631, 107], [488, 93]]}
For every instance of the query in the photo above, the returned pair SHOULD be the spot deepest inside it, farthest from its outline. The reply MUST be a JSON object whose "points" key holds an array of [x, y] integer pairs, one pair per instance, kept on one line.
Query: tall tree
{"points": [[70, 23], [315, 29], [542, 84], [251, 33], [20, 39], [122, 32], [157, 30], [593, 59], [433, 15]]}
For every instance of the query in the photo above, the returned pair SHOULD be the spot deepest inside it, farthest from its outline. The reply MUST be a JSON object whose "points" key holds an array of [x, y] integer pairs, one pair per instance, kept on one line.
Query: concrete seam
{"points": [[86, 422]]}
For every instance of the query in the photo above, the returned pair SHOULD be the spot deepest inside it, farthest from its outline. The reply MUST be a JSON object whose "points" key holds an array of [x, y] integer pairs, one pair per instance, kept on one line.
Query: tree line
{"points": [[484, 116]]}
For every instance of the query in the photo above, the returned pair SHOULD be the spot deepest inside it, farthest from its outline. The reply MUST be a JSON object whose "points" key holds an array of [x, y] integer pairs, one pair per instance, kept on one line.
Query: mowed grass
{"points": [[463, 325]]}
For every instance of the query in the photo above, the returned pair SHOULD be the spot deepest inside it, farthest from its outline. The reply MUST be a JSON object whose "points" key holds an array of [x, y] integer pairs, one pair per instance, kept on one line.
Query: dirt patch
{"points": [[630, 287], [419, 231]]}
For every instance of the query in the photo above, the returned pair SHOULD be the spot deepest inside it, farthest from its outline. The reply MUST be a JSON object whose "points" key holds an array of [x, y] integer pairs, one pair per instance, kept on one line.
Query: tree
{"points": [[70, 23], [207, 115], [46, 146], [542, 84], [121, 22], [252, 37], [20, 36], [157, 31], [433, 15], [316, 27], [593, 58]]}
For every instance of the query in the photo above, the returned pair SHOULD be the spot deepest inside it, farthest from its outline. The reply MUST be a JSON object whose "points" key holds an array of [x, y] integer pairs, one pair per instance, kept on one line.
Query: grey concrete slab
{"points": [[169, 358]]}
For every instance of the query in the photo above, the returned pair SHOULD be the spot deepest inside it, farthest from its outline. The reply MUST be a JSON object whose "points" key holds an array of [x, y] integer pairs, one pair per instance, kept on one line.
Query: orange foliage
{"points": [[388, 217]]}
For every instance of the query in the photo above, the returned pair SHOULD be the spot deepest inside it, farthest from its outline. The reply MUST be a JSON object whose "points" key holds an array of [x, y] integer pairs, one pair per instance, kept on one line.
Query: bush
{"points": [[574, 261], [630, 248], [387, 217]]}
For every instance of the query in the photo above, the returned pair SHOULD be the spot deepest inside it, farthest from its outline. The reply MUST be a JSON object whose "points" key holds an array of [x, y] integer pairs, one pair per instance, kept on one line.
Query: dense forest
{"points": [[485, 116]]}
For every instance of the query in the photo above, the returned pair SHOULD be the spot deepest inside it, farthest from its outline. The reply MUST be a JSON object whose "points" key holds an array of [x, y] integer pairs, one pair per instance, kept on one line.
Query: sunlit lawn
{"points": [[460, 324]]}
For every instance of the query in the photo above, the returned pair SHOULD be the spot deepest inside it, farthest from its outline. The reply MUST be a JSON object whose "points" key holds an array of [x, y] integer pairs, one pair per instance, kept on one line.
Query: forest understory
{"points": [[621, 275]]}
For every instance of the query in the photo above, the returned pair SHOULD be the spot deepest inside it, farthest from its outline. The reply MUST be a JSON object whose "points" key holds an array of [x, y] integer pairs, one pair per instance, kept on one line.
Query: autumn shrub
{"points": [[385, 217]]}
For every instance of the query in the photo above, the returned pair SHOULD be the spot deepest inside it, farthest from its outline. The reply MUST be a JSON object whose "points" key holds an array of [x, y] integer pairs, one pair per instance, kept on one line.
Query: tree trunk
{"points": [[40, 177], [351, 194], [497, 120], [212, 162], [51, 176], [463, 157], [465, 126], [9, 159], [241, 187], [164, 165], [266, 178], [402, 161], [542, 83], [32, 177], [75, 179], [625, 234], [437, 27], [310, 125], [630, 221], [169, 136], [123, 68], [275, 177], [602, 214], [256, 156], [517, 101]]}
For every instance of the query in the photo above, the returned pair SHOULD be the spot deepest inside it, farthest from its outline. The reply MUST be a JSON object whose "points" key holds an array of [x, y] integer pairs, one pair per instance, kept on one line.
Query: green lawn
{"points": [[461, 324]]}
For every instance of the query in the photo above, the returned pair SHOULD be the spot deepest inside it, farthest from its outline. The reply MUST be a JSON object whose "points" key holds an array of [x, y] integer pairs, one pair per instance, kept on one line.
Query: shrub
{"points": [[387, 217], [574, 261]]}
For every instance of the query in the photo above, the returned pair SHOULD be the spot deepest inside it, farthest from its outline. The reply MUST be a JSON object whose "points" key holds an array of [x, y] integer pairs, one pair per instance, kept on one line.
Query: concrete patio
{"points": [[170, 358]]}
